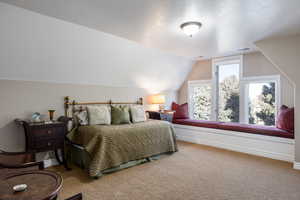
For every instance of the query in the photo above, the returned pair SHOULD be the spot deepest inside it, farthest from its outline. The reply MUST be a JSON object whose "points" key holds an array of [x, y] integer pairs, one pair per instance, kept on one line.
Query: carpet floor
{"points": [[196, 172]]}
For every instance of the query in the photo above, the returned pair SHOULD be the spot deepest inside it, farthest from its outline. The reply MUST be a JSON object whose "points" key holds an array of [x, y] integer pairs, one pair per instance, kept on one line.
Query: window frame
{"points": [[215, 81], [259, 79], [244, 90], [191, 85]]}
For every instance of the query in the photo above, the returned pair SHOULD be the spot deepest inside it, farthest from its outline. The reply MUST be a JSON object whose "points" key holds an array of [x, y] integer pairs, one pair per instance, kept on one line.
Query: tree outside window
{"points": [[202, 102]]}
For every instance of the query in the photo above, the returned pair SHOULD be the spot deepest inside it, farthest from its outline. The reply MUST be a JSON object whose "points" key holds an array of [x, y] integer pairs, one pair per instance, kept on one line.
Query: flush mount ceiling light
{"points": [[191, 28], [244, 49]]}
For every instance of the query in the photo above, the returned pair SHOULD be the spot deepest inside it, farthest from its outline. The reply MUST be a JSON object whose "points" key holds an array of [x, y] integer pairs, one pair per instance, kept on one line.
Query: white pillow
{"points": [[99, 115], [138, 113]]}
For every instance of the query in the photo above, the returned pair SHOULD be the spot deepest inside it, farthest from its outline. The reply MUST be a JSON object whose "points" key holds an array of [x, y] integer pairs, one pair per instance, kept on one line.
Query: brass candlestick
{"points": [[51, 114]]}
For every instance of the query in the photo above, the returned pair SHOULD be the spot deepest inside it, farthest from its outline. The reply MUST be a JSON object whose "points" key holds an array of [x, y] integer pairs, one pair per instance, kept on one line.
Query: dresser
{"points": [[42, 137]]}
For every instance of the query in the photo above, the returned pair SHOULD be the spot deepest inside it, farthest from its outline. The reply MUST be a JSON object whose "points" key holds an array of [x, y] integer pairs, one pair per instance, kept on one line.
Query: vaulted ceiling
{"points": [[228, 25], [40, 48]]}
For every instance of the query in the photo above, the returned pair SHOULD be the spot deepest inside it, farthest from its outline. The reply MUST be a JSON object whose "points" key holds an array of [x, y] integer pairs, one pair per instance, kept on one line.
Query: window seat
{"points": [[247, 128], [263, 141]]}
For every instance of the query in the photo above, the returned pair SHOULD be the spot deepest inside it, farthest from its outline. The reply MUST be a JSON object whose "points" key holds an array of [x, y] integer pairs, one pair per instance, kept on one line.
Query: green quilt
{"points": [[112, 145]]}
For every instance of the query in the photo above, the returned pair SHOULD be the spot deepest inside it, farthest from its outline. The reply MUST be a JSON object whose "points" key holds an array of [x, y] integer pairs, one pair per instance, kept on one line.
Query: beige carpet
{"points": [[196, 172]]}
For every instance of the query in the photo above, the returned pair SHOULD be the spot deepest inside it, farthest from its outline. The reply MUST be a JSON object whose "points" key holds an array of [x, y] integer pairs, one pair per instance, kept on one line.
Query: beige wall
{"points": [[284, 53], [201, 70], [19, 99], [255, 64], [35, 47]]}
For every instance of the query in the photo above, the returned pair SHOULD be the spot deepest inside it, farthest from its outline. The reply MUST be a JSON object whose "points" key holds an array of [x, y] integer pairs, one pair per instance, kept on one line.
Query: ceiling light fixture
{"points": [[244, 49], [191, 28]]}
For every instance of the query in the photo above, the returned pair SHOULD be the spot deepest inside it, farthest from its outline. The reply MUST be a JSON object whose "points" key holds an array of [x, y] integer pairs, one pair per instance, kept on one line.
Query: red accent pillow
{"points": [[181, 111], [285, 119], [174, 106]]}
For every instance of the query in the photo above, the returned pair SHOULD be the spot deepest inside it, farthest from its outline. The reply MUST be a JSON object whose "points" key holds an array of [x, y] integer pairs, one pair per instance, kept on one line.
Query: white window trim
{"points": [[243, 89], [192, 84], [223, 61], [259, 79]]}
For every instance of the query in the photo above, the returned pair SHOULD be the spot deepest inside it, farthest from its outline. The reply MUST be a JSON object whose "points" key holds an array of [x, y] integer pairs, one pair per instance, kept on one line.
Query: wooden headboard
{"points": [[73, 103]]}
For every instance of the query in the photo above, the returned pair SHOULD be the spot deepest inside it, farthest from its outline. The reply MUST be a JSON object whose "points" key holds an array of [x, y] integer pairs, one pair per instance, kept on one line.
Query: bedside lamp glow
{"points": [[158, 99]]}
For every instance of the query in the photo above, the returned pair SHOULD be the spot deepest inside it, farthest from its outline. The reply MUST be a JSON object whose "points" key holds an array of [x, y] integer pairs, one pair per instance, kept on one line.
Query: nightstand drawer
{"points": [[43, 145], [46, 133]]}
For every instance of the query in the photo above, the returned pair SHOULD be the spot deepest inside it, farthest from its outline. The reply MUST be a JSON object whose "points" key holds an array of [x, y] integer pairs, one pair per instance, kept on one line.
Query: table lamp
{"points": [[159, 100]]}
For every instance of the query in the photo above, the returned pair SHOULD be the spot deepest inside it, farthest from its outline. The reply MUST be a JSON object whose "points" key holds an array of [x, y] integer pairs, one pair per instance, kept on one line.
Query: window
{"points": [[261, 100], [229, 97], [227, 89], [200, 100]]}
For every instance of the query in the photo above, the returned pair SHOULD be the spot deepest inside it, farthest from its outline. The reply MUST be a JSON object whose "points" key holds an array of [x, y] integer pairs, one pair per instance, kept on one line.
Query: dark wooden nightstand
{"points": [[167, 116], [41, 137]]}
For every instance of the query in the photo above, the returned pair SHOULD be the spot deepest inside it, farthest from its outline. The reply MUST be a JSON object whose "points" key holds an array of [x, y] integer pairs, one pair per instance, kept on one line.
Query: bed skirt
{"points": [[78, 156]]}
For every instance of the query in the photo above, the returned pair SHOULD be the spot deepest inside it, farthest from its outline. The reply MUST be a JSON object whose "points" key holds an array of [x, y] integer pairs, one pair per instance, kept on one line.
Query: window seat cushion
{"points": [[247, 128]]}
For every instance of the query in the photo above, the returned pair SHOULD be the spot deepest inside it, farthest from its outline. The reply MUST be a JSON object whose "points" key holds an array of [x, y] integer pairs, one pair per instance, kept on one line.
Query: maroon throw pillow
{"points": [[285, 119], [174, 106], [181, 112]]}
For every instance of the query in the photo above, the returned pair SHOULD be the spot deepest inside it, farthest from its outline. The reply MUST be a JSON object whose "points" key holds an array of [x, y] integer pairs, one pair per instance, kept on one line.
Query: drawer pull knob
{"points": [[49, 143], [49, 132]]}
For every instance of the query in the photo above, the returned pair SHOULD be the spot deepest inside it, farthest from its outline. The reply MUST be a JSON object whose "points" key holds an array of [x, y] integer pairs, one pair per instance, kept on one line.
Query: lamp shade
{"points": [[157, 99]]}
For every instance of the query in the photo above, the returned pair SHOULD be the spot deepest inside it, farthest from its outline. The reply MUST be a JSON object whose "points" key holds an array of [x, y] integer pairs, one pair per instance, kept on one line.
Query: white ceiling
{"points": [[228, 25]]}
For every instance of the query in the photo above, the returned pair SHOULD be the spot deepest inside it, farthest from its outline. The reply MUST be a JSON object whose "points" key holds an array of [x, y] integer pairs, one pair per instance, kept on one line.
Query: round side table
{"points": [[41, 185]]}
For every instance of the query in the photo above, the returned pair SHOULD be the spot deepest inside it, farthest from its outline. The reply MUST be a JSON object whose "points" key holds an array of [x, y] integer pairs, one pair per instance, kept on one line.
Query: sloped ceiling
{"points": [[283, 52], [41, 48], [228, 25]]}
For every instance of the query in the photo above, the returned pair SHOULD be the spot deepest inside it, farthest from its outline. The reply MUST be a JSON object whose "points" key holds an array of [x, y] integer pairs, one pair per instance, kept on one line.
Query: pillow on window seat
{"points": [[181, 111], [285, 119], [174, 106]]}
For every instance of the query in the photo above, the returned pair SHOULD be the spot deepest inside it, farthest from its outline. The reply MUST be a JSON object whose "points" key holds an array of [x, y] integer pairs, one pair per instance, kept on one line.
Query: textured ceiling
{"points": [[228, 25]]}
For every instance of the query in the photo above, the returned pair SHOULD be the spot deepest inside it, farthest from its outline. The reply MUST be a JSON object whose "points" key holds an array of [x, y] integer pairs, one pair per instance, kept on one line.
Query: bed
{"points": [[106, 148]]}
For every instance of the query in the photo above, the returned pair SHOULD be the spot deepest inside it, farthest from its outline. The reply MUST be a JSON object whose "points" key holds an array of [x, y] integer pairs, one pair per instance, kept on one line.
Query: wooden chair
{"points": [[18, 161], [75, 197]]}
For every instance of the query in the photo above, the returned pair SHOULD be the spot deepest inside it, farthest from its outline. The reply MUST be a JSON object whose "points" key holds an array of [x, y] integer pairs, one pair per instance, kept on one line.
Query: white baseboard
{"points": [[265, 146], [297, 165]]}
